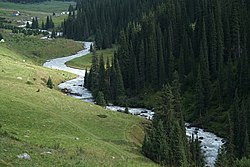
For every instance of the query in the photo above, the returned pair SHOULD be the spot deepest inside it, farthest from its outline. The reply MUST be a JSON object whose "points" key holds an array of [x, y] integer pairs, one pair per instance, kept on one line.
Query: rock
{"points": [[20, 78], [201, 138], [76, 94], [48, 152], [24, 156], [216, 139], [76, 138], [65, 90]]}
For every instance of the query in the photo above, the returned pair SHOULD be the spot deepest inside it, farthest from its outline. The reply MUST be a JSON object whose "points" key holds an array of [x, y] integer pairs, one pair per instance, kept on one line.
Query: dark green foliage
{"points": [[107, 80], [207, 42], [104, 19], [35, 24], [49, 24], [53, 34], [1, 37], [27, 25], [126, 110], [86, 77], [166, 143], [50, 83], [196, 153], [91, 48], [100, 99]]}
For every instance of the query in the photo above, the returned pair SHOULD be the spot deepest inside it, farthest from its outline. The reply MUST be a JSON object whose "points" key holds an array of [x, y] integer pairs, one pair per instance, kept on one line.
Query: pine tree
{"points": [[86, 77], [101, 74], [94, 75], [160, 60], [200, 106], [43, 26], [47, 23], [53, 34], [27, 25], [235, 28], [119, 87], [36, 23], [33, 23], [50, 83], [100, 99]]}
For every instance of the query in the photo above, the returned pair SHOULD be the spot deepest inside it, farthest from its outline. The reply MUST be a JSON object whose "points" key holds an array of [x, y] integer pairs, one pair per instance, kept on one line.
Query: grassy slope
{"points": [[37, 122], [85, 62], [40, 10], [39, 50]]}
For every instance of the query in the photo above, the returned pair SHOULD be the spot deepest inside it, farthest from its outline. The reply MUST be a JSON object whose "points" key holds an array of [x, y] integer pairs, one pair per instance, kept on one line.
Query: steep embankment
{"points": [[55, 129]]}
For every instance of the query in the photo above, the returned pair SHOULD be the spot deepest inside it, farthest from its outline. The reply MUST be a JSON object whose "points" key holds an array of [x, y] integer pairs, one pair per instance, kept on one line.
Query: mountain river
{"points": [[210, 143]]}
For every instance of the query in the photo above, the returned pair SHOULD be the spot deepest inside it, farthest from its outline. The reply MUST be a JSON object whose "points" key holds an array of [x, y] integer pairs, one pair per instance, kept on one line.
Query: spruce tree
{"points": [[100, 99], [50, 83]]}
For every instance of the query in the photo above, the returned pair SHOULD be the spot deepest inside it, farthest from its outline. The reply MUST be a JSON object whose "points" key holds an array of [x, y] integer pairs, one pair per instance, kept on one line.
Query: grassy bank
{"points": [[38, 50], [57, 130], [85, 61]]}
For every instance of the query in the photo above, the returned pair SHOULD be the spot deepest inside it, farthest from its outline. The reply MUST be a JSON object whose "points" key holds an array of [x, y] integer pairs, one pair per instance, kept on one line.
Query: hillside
{"points": [[56, 129]]}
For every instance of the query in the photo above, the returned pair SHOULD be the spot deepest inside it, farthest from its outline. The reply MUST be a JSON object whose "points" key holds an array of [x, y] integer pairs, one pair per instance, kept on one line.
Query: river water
{"points": [[210, 143]]}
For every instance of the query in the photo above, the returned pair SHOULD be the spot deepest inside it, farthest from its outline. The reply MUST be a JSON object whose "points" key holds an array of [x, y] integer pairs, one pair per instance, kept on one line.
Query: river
{"points": [[210, 143]]}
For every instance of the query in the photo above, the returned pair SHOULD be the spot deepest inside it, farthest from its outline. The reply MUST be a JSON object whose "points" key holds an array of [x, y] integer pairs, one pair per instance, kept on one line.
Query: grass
{"points": [[40, 10], [85, 61], [48, 121], [37, 50], [46, 7]]}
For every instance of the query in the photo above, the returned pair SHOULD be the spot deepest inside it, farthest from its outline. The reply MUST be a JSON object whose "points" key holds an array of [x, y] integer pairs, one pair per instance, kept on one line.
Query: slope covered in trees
{"points": [[103, 19], [208, 43]]}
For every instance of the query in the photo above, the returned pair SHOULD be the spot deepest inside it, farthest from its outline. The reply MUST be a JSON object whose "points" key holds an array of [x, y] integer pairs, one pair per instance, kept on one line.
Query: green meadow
{"points": [[55, 129], [85, 61], [37, 50]]}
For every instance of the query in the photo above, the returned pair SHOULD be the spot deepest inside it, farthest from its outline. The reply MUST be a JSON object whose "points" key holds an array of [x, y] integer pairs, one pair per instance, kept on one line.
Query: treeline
{"points": [[105, 81], [103, 19], [49, 24], [208, 43]]}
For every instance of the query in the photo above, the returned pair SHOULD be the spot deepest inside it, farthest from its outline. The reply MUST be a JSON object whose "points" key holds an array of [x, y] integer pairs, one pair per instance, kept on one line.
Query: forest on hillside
{"points": [[195, 52]]}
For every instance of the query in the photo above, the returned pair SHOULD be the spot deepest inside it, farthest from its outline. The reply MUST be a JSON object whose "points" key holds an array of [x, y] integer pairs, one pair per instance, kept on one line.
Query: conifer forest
{"points": [[195, 52]]}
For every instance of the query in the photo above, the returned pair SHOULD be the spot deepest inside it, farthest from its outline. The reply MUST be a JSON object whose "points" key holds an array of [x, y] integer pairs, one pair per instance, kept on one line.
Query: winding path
{"points": [[210, 143]]}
